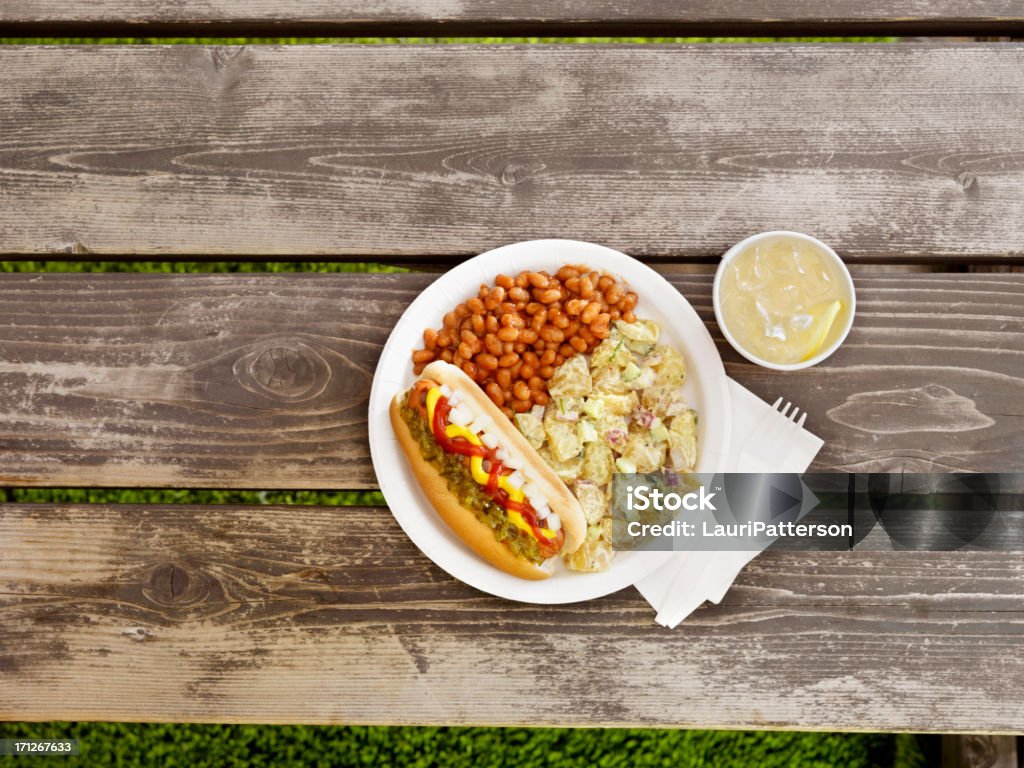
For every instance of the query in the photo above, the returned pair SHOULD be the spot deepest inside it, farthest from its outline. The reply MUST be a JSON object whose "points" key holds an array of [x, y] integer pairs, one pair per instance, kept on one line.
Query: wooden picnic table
{"points": [[907, 158]]}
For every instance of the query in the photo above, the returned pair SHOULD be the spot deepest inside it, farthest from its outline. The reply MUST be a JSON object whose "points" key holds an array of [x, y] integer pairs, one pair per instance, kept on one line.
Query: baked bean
{"points": [[548, 296], [508, 360], [561, 322], [487, 361], [628, 302], [423, 356], [533, 308], [521, 390], [559, 359], [530, 358], [471, 370], [613, 295], [446, 355], [604, 283], [546, 371], [527, 370], [494, 392], [491, 324], [567, 273], [478, 325], [528, 335], [462, 311], [504, 378], [492, 344], [507, 347], [522, 280], [590, 312], [508, 334], [504, 281], [566, 351], [537, 280], [457, 360], [615, 315], [574, 307], [512, 320], [586, 287], [519, 294], [519, 348], [497, 293], [521, 406], [540, 397], [548, 357], [552, 334], [465, 351], [535, 382], [476, 306], [430, 338], [451, 320], [573, 285], [578, 343], [417, 369], [628, 316]]}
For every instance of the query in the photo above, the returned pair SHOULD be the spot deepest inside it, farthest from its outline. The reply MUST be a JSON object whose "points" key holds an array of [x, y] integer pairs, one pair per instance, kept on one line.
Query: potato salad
{"points": [[619, 409]]}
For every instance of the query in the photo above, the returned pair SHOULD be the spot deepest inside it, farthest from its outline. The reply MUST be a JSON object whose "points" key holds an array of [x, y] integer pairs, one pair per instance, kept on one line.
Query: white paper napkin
{"points": [[682, 585]]}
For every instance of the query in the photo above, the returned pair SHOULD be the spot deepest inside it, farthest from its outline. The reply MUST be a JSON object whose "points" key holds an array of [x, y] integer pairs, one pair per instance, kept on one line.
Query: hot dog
{"points": [[481, 475]]}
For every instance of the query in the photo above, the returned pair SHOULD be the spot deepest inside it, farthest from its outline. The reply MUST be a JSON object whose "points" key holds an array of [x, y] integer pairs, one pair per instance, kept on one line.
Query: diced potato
{"points": [[611, 351], [608, 380], [642, 330], [621, 405], [647, 456], [672, 368], [567, 471], [664, 400], [563, 437], [596, 553], [532, 428], [592, 499], [571, 379], [598, 462], [682, 440]]}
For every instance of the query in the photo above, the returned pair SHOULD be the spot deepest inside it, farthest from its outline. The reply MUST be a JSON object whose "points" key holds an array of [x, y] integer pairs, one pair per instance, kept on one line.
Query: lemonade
{"points": [[783, 299]]}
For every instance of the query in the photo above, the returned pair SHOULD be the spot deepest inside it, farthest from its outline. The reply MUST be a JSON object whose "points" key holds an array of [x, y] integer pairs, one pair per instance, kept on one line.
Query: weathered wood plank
{"points": [[405, 152], [514, 17], [169, 380], [255, 615]]}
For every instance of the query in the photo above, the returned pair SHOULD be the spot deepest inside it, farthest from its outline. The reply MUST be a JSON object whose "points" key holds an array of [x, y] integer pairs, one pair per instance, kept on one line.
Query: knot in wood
{"points": [[979, 751], [171, 585], [966, 180], [283, 369], [516, 173]]}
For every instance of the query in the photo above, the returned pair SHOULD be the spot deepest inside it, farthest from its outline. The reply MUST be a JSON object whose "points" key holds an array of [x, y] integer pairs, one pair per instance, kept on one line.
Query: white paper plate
{"points": [[705, 390]]}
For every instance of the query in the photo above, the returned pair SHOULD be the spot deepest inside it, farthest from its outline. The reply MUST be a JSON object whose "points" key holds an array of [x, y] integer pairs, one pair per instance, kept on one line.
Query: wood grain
{"points": [[330, 615], [979, 751], [262, 381], [437, 152], [513, 17]]}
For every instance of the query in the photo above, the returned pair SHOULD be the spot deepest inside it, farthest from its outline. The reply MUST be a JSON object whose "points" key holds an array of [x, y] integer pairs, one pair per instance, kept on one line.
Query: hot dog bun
{"points": [[476, 534]]}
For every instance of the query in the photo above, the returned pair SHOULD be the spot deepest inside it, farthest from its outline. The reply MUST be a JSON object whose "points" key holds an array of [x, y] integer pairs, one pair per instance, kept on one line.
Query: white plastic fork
{"points": [[769, 435]]}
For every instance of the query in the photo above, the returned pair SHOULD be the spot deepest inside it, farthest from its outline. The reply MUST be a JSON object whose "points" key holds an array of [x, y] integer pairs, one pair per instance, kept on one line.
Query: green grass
{"points": [[127, 744], [199, 746]]}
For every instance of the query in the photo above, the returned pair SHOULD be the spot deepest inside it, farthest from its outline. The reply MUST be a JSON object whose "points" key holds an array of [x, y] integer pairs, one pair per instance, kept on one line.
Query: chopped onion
{"points": [[515, 462], [515, 480], [542, 511], [553, 522], [454, 398], [538, 411], [501, 454], [446, 390], [482, 422], [489, 440], [567, 416], [538, 501], [459, 416], [677, 456]]}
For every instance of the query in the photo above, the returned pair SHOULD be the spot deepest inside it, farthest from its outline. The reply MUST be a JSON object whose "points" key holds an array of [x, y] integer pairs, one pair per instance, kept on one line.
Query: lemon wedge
{"points": [[824, 319]]}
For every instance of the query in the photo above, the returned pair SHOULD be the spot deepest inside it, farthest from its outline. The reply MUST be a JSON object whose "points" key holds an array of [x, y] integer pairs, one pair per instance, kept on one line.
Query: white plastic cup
{"points": [[843, 271]]}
